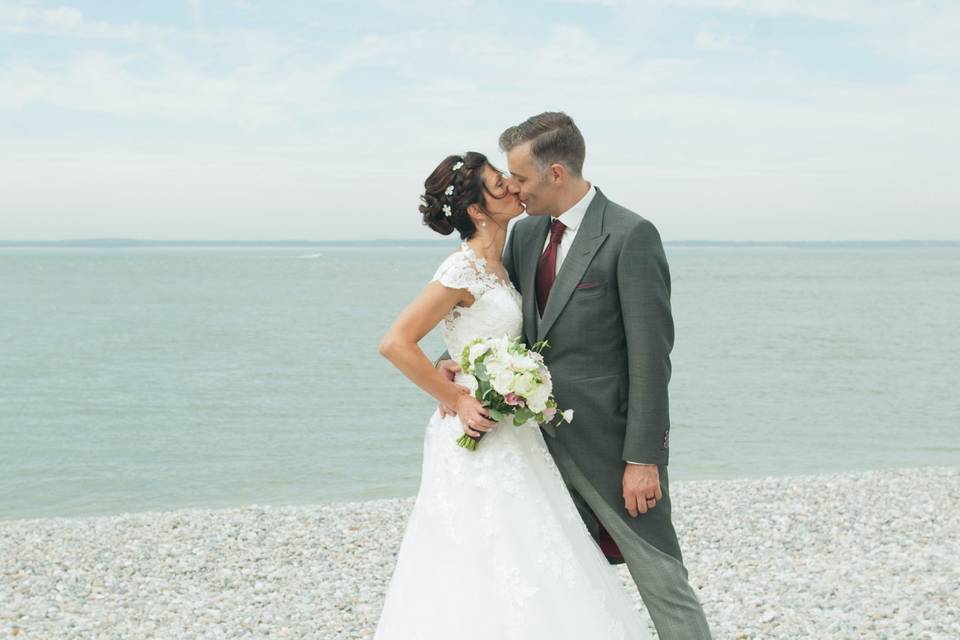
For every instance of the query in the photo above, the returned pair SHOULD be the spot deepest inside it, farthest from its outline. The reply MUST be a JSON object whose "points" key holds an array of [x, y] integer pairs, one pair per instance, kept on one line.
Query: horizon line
{"points": [[133, 242]]}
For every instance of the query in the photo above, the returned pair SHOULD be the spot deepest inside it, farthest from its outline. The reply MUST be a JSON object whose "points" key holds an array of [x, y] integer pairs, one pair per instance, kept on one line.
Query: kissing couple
{"points": [[516, 538]]}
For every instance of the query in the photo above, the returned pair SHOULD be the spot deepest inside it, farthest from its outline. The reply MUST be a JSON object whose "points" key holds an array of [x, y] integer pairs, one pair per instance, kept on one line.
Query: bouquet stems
{"points": [[469, 442]]}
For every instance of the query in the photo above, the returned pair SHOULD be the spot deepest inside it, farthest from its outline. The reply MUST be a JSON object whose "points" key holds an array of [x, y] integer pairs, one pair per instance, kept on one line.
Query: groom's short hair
{"points": [[555, 139]]}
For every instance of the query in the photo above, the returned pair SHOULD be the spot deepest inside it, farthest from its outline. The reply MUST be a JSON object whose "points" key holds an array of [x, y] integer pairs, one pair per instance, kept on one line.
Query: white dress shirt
{"points": [[572, 219]]}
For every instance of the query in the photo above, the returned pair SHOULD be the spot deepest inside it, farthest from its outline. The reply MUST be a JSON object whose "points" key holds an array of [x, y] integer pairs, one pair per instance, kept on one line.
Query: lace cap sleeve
{"points": [[461, 271]]}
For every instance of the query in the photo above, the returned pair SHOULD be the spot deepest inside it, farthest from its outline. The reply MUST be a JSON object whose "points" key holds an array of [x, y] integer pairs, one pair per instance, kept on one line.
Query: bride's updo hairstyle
{"points": [[444, 209]]}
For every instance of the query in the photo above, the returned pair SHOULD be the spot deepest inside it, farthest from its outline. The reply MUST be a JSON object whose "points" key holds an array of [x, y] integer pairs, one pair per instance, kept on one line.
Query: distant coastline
{"points": [[132, 243]]}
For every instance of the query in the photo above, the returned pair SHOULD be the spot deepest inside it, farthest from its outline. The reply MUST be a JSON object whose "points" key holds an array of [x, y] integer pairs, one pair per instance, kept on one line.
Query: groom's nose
{"points": [[513, 186]]}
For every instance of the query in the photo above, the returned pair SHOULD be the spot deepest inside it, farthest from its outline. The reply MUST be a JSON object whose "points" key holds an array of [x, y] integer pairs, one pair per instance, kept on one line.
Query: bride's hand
{"points": [[473, 415], [449, 368]]}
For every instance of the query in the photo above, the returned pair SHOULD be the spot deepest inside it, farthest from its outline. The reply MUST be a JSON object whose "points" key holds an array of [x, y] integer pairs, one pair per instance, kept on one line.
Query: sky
{"points": [[247, 120]]}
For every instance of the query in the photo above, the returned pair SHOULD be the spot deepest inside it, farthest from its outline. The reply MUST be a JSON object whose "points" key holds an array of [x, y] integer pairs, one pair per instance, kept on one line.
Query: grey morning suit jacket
{"points": [[610, 330]]}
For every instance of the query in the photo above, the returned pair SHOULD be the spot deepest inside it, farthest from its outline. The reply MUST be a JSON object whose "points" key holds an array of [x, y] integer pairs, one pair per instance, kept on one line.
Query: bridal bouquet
{"points": [[511, 381]]}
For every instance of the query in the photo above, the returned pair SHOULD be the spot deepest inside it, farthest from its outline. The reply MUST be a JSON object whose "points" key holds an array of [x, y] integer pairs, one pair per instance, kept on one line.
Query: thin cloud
{"points": [[693, 116]]}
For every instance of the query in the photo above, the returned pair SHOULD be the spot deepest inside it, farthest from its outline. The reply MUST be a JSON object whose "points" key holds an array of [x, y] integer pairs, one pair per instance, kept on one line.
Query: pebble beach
{"points": [[846, 555]]}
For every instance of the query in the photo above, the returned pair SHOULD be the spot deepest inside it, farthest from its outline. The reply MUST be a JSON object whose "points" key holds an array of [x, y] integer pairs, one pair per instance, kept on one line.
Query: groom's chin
{"points": [[532, 211]]}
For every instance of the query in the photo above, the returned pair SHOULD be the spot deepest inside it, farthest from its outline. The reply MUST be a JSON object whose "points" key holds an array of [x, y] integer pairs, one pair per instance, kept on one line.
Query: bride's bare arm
{"points": [[400, 346]]}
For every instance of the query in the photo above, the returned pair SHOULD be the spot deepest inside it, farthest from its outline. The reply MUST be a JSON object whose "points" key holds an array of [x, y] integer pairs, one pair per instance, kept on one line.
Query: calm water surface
{"points": [[155, 378]]}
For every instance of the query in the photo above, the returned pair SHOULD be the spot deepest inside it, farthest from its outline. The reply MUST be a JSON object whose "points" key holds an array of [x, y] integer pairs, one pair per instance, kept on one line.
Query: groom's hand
{"points": [[449, 368], [641, 488]]}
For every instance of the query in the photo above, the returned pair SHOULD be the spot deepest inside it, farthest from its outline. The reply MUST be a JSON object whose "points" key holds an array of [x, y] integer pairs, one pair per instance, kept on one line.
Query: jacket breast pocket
{"points": [[589, 289]]}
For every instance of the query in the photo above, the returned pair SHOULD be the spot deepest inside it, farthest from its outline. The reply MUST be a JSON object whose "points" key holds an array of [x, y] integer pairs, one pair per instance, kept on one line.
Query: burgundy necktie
{"points": [[547, 267]]}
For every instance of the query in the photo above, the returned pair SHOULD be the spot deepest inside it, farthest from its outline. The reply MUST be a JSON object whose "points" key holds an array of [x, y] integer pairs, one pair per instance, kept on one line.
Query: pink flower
{"points": [[549, 412], [513, 400]]}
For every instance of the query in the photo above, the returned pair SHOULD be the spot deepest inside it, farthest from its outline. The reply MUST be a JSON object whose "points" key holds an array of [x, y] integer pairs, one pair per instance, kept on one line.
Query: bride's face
{"points": [[501, 204]]}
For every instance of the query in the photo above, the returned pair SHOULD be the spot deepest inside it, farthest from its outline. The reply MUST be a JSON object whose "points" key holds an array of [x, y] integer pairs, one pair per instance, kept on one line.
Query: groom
{"points": [[595, 283]]}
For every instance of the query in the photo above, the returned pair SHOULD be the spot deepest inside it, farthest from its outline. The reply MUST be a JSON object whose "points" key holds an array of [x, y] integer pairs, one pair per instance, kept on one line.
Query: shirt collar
{"points": [[572, 217]]}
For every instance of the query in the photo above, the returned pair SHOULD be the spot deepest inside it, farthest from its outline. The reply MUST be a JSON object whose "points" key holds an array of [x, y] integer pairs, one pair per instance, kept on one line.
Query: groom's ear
{"points": [[557, 173]]}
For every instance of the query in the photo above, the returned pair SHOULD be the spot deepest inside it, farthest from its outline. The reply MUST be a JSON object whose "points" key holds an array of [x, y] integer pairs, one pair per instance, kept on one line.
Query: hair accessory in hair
{"points": [[458, 165], [447, 211], [449, 191]]}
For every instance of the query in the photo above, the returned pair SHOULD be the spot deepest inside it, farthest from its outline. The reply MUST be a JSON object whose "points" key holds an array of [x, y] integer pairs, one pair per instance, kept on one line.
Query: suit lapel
{"points": [[588, 241], [531, 256]]}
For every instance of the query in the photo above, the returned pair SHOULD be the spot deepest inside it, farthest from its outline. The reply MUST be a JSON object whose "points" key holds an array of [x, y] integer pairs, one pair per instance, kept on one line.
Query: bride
{"points": [[494, 546]]}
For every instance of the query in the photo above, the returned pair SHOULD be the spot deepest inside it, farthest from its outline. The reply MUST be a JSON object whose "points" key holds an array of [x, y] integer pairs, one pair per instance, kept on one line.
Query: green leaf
{"points": [[540, 346], [522, 416], [481, 371]]}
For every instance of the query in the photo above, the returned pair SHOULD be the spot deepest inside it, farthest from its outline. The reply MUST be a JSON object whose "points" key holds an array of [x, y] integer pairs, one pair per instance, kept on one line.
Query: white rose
{"points": [[519, 362], [547, 384], [494, 365], [523, 384], [476, 351], [499, 374], [568, 415], [537, 401], [502, 381]]}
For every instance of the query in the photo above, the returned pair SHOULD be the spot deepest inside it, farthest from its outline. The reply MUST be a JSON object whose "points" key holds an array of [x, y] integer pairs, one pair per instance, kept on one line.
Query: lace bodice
{"points": [[496, 309]]}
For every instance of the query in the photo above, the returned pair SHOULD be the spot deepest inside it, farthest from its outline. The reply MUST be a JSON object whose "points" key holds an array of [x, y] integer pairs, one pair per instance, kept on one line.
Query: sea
{"points": [[152, 376]]}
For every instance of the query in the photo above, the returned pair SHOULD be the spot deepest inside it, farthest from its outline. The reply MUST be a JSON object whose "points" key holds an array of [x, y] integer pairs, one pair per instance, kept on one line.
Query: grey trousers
{"points": [[661, 579]]}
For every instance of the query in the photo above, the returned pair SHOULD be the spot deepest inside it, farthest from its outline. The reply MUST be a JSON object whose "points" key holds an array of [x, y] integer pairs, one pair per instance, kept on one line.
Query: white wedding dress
{"points": [[494, 548]]}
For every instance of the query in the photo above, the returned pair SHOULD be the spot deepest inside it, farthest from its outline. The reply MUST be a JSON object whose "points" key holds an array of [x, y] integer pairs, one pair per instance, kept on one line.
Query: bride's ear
{"points": [[476, 215]]}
